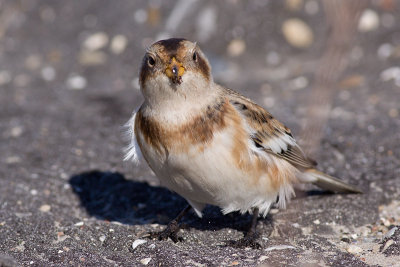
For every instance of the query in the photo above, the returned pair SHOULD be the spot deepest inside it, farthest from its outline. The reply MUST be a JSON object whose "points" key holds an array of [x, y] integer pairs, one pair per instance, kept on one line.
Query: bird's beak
{"points": [[174, 71]]}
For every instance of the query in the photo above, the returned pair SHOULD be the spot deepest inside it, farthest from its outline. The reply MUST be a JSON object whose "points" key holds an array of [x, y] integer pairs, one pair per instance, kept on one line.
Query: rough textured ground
{"points": [[66, 196]]}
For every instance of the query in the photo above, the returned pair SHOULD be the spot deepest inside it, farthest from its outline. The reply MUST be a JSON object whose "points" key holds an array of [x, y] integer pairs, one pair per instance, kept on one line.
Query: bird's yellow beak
{"points": [[174, 71]]}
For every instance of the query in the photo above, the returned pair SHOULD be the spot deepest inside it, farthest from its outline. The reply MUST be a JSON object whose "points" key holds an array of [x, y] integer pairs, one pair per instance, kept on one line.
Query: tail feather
{"points": [[328, 182]]}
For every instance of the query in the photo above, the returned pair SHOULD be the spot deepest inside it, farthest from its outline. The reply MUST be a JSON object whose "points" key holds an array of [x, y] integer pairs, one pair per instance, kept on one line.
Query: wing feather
{"points": [[268, 133]]}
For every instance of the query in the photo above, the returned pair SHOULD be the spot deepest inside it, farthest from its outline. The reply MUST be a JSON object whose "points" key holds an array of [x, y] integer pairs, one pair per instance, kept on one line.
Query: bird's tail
{"points": [[327, 182]]}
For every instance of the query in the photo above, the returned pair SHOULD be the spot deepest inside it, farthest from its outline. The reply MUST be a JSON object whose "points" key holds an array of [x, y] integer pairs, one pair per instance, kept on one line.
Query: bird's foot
{"points": [[170, 232], [249, 240]]}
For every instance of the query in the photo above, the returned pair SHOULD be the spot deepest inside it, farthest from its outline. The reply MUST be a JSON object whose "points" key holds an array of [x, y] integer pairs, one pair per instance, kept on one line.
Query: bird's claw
{"points": [[249, 240], [170, 232]]}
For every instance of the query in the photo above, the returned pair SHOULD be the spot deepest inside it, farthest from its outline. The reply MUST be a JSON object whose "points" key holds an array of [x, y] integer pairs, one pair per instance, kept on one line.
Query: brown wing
{"points": [[268, 133]]}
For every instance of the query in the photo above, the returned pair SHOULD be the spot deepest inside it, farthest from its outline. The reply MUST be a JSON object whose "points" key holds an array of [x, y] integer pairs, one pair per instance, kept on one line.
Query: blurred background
{"points": [[69, 72], [69, 81]]}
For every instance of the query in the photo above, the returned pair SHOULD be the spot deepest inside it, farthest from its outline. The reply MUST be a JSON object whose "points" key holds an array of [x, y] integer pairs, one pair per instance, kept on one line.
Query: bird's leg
{"points": [[172, 228], [250, 238]]}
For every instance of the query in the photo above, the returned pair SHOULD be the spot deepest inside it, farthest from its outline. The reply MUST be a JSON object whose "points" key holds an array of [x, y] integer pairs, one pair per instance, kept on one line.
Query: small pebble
{"points": [[316, 222], [388, 244], [118, 44], [145, 261], [236, 47], [76, 82], [352, 81], [34, 192], [298, 83], [353, 249], [390, 232], [48, 73], [385, 51], [137, 243], [79, 224], [279, 247], [154, 15], [376, 248], [345, 239], [273, 211], [297, 33], [96, 41], [16, 131], [140, 16], [45, 208], [102, 238], [391, 73], [311, 7], [33, 62], [294, 5], [369, 21]]}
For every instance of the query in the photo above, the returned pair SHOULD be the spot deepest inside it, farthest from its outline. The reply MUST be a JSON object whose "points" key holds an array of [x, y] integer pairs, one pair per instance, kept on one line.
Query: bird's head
{"points": [[174, 66]]}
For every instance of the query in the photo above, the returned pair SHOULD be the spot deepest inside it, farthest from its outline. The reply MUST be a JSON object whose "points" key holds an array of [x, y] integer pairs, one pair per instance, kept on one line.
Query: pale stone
{"points": [[294, 5], [137, 243], [76, 82], [48, 73], [96, 41], [297, 33], [145, 261], [140, 16], [369, 21], [353, 249], [45, 208], [118, 44], [236, 47]]}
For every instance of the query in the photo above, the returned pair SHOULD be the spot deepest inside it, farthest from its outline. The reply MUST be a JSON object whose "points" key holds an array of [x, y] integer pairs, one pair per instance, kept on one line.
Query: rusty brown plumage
{"points": [[198, 131]]}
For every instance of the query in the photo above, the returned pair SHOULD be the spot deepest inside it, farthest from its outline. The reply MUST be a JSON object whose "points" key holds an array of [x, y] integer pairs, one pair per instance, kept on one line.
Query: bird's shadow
{"points": [[110, 196]]}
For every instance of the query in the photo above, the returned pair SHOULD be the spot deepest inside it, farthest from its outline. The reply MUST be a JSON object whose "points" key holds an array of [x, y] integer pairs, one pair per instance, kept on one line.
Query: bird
{"points": [[212, 145]]}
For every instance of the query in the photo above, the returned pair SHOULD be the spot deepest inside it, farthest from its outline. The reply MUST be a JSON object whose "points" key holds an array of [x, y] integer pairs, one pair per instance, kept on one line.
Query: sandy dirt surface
{"points": [[69, 82]]}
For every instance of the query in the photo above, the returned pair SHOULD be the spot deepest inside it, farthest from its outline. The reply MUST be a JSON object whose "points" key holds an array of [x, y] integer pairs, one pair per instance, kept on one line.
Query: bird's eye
{"points": [[151, 61], [195, 56]]}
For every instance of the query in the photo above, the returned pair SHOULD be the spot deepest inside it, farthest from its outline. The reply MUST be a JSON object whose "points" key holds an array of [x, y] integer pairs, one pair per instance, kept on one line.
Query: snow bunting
{"points": [[212, 145]]}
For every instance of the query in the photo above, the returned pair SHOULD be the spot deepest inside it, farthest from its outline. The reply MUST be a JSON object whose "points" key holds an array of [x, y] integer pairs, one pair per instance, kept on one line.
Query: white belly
{"points": [[209, 175]]}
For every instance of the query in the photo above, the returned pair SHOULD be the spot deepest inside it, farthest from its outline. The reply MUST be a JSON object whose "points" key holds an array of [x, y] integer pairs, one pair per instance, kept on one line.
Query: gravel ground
{"points": [[68, 83]]}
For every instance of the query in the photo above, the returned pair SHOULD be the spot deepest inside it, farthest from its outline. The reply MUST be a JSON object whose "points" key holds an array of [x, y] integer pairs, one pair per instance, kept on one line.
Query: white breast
{"points": [[208, 175]]}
